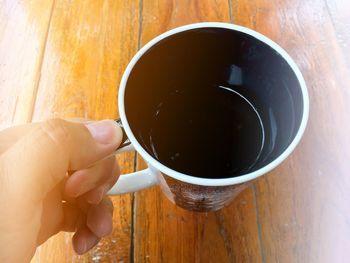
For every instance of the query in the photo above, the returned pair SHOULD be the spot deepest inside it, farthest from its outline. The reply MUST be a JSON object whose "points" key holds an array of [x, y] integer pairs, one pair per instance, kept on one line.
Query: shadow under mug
{"points": [[227, 57]]}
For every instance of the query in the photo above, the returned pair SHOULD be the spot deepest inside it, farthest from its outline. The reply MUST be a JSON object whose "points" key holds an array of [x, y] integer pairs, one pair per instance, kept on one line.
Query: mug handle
{"points": [[132, 182]]}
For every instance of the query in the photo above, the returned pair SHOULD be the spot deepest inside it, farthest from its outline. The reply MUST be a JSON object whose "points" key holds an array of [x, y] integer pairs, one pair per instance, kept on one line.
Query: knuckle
{"points": [[108, 202], [106, 170], [109, 164], [117, 167], [57, 131], [116, 171]]}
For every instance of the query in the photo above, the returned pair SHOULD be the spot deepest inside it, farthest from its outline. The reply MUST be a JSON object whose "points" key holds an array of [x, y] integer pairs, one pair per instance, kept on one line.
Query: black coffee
{"points": [[216, 133], [182, 108]]}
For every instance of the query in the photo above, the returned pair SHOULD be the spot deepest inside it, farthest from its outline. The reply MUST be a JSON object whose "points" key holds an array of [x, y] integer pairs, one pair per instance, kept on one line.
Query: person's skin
{"points": [[54, 177]]}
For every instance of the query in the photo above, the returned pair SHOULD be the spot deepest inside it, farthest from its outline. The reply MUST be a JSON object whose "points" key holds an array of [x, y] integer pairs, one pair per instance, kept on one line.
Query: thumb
{"points": [[40, 159]]}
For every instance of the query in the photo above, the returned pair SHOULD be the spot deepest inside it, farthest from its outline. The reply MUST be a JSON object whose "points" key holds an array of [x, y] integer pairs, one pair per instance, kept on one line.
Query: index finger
{"points": [[82, 181]]}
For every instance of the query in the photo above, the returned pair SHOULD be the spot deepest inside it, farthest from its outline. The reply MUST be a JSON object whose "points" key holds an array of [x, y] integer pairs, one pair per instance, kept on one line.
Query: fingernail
{"points": [[91, 242], [105, 227], [105, 132], [81, 247], [99, 220], [96, 196]]}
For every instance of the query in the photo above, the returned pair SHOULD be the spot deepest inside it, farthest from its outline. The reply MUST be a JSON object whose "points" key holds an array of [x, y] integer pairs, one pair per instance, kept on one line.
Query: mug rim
{"points": [[210, 181]]}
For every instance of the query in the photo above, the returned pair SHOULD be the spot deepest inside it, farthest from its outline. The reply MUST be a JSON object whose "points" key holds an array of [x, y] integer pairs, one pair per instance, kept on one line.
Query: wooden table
{"points": [[61, 58]]}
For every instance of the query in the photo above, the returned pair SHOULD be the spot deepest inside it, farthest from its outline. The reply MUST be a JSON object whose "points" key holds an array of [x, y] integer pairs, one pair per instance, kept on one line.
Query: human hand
{"points": [[53, 177]]}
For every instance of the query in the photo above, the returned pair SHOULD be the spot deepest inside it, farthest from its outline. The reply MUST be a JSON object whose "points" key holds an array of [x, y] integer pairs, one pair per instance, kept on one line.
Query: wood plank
{"points": [[88, 47], [23, 31], [159, 16], [164, 232], [304, 204]]}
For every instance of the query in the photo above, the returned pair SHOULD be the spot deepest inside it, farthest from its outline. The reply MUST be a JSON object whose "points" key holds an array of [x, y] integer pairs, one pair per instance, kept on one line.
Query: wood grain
{"points": [[303, 205], [164, 232], [61, 58], [23, 34], [159, 16], [89, 44]]}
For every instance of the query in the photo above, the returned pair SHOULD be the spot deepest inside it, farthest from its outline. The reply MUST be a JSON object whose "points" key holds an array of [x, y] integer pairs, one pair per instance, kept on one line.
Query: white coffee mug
{"points": [[235, 58]]}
